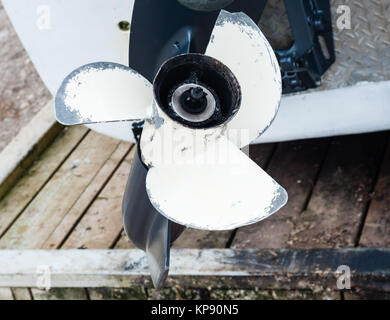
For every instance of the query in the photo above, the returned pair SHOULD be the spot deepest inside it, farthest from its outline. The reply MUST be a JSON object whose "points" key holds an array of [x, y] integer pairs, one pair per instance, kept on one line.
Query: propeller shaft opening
{"points": [[197, 91], [194, 100]]}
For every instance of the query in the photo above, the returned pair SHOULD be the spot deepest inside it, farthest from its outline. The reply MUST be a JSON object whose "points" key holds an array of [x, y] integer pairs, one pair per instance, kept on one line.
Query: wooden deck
{"points": [[339, 197]]}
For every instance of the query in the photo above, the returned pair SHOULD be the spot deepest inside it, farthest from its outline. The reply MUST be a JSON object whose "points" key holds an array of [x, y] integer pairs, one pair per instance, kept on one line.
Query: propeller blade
{"points": [[219, 188], [238, 42], [103, 92]]}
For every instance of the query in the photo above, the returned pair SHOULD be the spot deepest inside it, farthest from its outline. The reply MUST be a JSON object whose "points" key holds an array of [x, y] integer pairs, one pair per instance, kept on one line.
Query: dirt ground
{"points": [[22, 92]]}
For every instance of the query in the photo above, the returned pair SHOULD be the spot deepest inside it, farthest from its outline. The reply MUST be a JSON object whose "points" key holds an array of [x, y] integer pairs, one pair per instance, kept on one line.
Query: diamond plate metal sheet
{"points": [[362, 52]]}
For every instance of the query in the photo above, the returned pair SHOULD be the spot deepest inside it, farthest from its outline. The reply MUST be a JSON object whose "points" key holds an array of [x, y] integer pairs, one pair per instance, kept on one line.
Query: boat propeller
{"points": [[198, 114]]}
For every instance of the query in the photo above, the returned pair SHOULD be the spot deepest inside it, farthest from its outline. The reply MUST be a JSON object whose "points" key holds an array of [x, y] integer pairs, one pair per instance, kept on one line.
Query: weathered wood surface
{"points": [[31, 184], [92, 193], [60, 294], [376, 230], [262, 154], [295, 166], [105, 185], [351, 160], [49, 207], [94, 221], [340, 197], [258, 294], [123, 242], [21, 293], [22, 92], [91, 218], [133, 293], [327, 211], [366, 295], [30, 142], [102, 224], [314, 269], [13, 204], [6, 294], [190, 239]]}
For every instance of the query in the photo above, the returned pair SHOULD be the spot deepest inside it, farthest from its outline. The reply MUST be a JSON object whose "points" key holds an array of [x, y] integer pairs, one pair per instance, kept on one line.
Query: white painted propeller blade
{"points": [[103, 92], [217, 189], [238, 42]]}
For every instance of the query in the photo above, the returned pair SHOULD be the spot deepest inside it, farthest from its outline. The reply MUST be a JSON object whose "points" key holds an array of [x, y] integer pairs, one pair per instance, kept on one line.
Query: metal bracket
{"points": [[313, 51]]}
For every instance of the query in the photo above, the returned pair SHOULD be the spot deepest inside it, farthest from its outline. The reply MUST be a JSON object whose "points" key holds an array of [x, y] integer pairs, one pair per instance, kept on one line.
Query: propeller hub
{"points": [[193, 102], [196, 90]]}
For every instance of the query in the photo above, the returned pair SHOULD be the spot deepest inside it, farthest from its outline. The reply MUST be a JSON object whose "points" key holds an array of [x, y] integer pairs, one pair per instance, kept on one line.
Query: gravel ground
{"points": [[22, 92]]}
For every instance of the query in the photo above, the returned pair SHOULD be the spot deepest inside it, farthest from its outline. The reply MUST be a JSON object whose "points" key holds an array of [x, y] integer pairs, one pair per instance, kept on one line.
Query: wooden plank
{"points": [[366, 295], [60, 294], [137, 293], [190, 239], [36, 178], [376, 230], [48, 208], [284, 269], [178, 293], [262, 153], [295, 166], [6, 294], [101, 225], [87, 197], [256, 294], [31, 184], [75, 214], [336, 209], [38, 175], [194, 239], [124, 242], [30, 142], [21, 293]]}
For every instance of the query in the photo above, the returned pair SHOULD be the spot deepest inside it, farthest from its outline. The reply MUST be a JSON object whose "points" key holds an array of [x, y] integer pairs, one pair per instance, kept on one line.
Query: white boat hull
{"points": [[63, 35]]}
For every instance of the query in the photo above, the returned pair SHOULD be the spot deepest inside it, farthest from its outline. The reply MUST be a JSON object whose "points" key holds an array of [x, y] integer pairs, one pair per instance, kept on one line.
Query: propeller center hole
{"points": [[197, 91], [194, 100]]}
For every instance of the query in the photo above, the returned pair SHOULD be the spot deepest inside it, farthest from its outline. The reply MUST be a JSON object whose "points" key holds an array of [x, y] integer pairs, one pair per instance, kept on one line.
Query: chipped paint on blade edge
{"points": [[241, 18], [73, 117], [278, 202]]}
